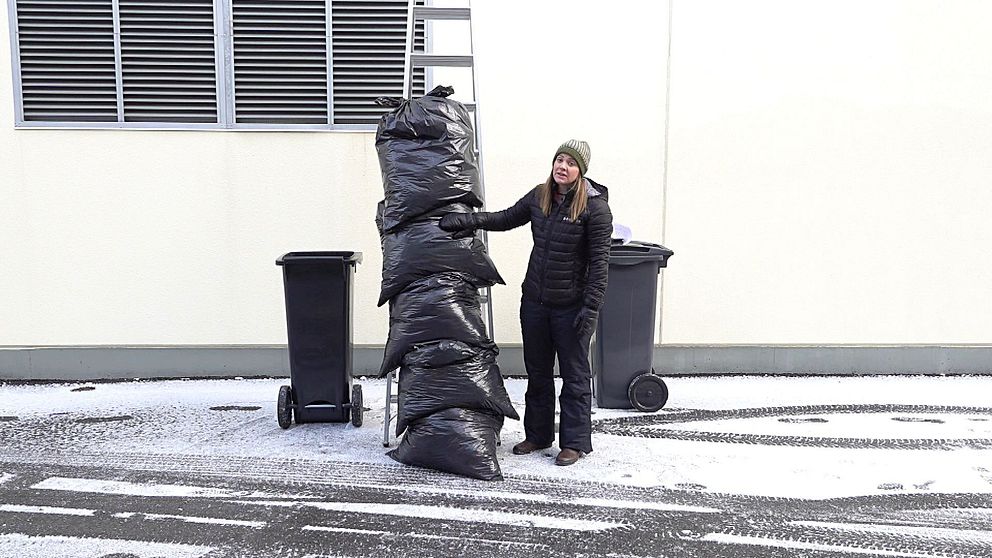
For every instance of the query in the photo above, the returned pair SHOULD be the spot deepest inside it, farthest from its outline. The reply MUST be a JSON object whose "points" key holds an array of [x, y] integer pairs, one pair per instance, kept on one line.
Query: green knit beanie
{"points": [[578, 150]]}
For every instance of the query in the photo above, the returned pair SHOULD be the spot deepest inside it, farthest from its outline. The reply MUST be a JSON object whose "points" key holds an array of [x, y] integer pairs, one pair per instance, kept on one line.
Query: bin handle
{"points": [[354, 258], [634, 260]]}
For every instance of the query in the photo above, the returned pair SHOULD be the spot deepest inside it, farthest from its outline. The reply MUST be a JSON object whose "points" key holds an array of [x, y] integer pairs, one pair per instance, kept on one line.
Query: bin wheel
{"points": [[648, 393], [284, 409], [356, 405]]}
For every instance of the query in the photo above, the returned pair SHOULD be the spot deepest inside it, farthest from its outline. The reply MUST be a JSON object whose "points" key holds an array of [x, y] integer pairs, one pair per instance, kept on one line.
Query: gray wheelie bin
{"points": [[318, 288], [623, 376]]}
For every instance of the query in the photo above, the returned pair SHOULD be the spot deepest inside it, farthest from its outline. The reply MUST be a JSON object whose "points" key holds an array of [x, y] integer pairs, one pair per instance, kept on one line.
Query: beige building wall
{"points": [[827, 181], [582, 69], [138, 237], [829, 172]]}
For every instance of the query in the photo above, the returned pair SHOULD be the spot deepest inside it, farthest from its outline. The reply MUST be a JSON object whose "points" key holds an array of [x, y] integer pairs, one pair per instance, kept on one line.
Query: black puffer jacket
{"points": [[570, 260]]}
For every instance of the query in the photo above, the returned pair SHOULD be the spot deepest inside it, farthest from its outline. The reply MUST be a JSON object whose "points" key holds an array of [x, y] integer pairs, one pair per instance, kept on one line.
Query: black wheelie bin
{"points": [[318, 287], [622, 353]]}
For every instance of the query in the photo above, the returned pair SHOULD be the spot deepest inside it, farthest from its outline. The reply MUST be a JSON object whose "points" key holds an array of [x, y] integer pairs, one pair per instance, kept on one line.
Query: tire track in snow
{"points": [[654, 426]]}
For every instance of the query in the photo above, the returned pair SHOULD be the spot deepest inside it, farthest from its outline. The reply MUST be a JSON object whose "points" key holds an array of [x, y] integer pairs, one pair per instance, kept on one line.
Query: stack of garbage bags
{"points": [[452, 400]]}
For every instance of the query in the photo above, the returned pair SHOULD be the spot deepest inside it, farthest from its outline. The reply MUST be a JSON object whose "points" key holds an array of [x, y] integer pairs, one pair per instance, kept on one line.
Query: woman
{"points": [[564, 287]]}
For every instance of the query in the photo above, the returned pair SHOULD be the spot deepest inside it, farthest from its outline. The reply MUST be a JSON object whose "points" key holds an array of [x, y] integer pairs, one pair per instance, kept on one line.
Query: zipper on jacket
{"points": [[553, 219]]}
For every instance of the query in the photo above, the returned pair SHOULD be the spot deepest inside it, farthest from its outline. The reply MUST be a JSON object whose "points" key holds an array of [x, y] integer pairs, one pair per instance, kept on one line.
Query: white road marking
{"points": [[417, 535], [4, 477], [16, 545], [599, 502], [16, 508], [456, 514], [779, 543], [641, 505], [99, 486], [910, 530], [208, 520], [453, 514], [188, 491], [344, 530], [473, 539], [459, 492]]}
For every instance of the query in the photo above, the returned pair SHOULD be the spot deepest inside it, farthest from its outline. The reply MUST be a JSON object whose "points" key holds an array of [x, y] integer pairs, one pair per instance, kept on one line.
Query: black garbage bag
{"points": [[473, 383], [420, 249], [439, 354], [437, 213], [378, 220], [441, 306], [454, 440], [426, 150]]}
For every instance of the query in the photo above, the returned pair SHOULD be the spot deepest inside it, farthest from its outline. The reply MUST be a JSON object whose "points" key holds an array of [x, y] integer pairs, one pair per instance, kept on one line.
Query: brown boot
{"points": [[525, 447], [568, 456]]}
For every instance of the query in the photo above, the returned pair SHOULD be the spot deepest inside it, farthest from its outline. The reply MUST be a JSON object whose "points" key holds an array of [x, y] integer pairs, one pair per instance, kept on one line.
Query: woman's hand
{"points": [[585, 322], [460, 224]]}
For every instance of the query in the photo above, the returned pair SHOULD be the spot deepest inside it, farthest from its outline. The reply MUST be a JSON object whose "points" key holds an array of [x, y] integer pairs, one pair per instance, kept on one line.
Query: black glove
{"points": [[585, 322], [461, 224]]}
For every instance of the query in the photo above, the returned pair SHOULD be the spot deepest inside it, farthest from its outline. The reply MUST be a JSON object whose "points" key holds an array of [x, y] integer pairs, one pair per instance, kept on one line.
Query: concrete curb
{"points": [[180, 361]]}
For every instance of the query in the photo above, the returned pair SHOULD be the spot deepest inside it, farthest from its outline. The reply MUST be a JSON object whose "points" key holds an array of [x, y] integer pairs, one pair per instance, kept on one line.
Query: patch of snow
{"points": [[877, 426], [173, 418]]}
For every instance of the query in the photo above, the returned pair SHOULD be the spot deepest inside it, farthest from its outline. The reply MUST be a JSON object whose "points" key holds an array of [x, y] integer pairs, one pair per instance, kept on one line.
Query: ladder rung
{"points": [[425, 60], [429, 12]]}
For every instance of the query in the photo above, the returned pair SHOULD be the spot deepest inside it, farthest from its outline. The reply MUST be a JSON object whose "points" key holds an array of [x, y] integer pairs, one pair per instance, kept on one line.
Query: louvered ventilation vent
{"points": [[369, 53], [167, 58], [169, 64], [280, 61], [66, 49]]}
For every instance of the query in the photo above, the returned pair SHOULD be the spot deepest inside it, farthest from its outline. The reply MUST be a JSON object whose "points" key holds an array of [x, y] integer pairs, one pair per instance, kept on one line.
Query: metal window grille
{"points": [[208, 63], [280, 62], [67, 61], [369, 44], [168, 65]]}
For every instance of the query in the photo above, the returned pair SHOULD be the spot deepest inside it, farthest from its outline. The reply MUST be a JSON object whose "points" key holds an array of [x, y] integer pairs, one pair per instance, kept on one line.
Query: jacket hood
{"points": [[594, 189]]}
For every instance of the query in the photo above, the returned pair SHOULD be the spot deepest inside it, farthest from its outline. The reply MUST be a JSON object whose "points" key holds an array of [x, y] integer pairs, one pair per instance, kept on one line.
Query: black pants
{"points": [[549, 332]]}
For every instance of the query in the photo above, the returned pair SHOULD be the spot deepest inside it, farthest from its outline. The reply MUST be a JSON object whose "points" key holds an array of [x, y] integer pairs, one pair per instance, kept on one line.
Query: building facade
{"points": [[821, 170]]}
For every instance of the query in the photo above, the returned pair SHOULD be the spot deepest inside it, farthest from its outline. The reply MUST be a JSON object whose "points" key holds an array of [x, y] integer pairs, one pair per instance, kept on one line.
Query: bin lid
{"points": [[636, 251], [318, 257]]}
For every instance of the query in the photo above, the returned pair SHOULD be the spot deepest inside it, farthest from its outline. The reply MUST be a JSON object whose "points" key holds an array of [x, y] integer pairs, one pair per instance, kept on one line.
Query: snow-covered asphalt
{"points": [[732, 466]]}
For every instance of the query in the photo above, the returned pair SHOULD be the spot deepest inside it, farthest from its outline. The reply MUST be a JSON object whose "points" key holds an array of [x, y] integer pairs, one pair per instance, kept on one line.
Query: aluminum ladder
{"points": [[413, 61]]}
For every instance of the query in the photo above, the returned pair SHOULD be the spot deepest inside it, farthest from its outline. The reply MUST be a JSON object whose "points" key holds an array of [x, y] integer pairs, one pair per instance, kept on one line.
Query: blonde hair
{"points": [[546, 192]]}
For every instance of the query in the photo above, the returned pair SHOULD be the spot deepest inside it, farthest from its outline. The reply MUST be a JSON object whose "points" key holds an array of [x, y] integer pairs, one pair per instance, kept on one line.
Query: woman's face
{"points": [[564, 170]]}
